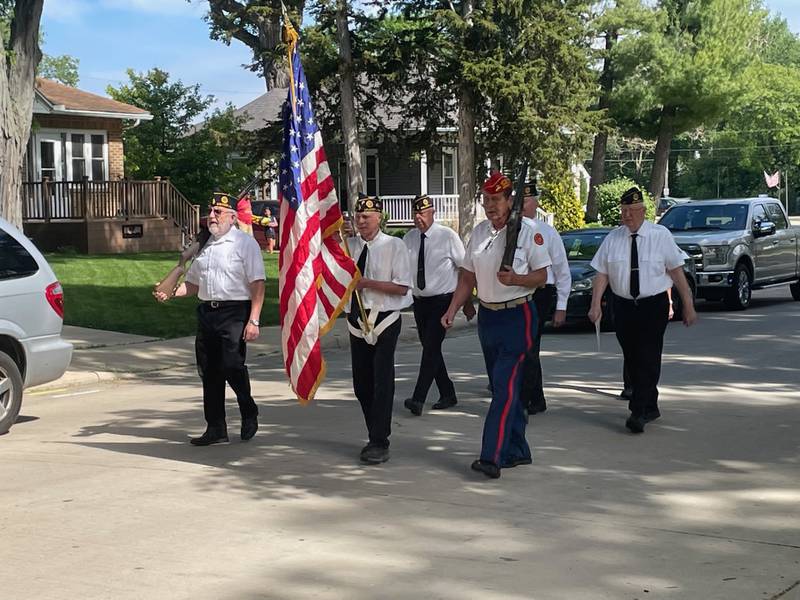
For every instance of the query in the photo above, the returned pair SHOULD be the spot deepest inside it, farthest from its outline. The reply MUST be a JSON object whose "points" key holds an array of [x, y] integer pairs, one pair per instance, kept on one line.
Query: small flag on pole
{"points": [[316, 276], [773, 180]]}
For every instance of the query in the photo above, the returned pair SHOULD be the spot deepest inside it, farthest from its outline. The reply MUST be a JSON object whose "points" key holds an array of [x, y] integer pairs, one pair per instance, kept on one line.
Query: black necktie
{"points": [[421, 263], [634, 267], [362, 267]]}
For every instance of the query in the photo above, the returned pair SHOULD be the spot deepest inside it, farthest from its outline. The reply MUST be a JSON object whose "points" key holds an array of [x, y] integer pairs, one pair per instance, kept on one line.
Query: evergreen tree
{"points": [[686, 71]]}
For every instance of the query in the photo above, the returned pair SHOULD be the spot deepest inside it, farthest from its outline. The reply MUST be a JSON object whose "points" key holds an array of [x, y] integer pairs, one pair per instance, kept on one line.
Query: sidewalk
{"points": [[109, 355]]}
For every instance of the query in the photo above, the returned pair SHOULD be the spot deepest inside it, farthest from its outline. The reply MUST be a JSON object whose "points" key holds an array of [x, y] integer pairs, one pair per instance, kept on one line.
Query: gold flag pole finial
{"points": [[290, 37]]}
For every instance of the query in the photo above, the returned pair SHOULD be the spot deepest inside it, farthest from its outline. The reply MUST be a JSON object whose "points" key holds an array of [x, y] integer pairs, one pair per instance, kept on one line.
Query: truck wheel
{"points": [[795, 289], [738, 297], [10, 392]]}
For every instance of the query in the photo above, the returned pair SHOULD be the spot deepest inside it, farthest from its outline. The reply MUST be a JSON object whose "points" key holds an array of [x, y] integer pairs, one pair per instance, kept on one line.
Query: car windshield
{"points": [[583, 245], [692, 217]]}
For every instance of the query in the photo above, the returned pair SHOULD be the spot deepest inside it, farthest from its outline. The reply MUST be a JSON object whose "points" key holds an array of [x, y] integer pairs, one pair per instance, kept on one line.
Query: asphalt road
{"points": [[102, 496]]}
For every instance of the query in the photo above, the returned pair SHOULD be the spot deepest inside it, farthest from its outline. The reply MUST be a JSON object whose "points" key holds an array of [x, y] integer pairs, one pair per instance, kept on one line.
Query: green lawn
{"points": [[114, 292]]}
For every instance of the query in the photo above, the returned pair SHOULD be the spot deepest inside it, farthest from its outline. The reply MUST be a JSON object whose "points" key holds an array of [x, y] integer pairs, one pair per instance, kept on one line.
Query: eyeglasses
{"points": [[220, 211], [630, 209]]}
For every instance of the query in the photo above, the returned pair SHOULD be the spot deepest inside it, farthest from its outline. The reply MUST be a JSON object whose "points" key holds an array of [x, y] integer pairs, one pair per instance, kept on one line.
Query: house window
{"points": [[98, 157], [85, 155], [78, 157], [48, 154], [371, 172], [449, 171]]}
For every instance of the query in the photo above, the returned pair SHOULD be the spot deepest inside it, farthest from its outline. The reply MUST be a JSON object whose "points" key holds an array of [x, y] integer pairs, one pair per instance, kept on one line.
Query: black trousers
{"points": [[373, 381], [532, 393], [221, 352], [640, 330], [428, 316]]}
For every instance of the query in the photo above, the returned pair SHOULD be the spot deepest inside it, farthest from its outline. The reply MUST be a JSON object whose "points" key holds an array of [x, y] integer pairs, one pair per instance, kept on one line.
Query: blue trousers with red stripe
{"points": [[506, 336]]}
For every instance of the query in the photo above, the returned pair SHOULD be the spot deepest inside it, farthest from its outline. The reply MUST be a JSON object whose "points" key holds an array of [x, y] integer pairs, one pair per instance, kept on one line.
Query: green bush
{"points": [[558, 197], [608, 195], [397, 232]]}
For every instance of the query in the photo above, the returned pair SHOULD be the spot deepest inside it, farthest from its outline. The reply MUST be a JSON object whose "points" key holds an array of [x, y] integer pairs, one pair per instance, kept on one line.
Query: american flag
{"points": [[316, 276]]}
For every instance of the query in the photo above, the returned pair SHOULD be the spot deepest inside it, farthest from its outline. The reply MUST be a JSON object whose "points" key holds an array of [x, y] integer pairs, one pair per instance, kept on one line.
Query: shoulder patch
{"points": [[538, 239]]}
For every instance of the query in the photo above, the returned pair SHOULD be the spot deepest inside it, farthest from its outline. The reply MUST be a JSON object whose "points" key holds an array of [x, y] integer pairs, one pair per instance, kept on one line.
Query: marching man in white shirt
{"points": [[640, 261], [558, 287], [373, 320], [506, 321], [228, 277], [437, 252]]}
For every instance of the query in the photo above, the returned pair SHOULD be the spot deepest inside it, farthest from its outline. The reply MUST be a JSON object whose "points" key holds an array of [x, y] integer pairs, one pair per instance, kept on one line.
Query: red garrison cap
{"points": [[496, 183]]}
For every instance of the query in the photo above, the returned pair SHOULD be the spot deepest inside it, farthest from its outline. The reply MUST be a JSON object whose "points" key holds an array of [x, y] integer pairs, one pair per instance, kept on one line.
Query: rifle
{"points": [[169, 284], [514, 220]]}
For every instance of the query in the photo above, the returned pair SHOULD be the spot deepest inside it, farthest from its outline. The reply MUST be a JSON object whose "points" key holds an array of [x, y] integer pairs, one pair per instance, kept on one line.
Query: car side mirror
{"points": [[763, 228]]}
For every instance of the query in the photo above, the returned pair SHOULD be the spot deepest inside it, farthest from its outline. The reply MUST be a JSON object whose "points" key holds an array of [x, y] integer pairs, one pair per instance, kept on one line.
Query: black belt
{"points": [[641, 300], [224, 303], [436, 297]]}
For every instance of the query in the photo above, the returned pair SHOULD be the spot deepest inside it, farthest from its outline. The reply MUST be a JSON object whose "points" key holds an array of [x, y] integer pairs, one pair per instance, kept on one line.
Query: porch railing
{"points": [[124, 199], [399, 210]]}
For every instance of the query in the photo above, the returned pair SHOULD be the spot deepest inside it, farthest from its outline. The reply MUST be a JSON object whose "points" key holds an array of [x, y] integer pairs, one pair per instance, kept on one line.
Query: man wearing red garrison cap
{"points": [[506, 321]]}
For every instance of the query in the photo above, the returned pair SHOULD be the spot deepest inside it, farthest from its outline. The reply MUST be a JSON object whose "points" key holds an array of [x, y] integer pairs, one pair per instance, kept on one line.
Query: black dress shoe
{"points": [[445, 403], [626, 394], [516, 462], [414, 406], [212, 435], [635, 424], [651, 416], [489, 469], [374, 455], [249, 428]]}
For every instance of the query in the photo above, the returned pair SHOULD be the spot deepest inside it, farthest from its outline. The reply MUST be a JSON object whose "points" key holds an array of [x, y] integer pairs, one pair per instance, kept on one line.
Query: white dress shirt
{"points": [[226, 266], [658, 253], [387, 260], [558, 272], [485, 253], [444, 253]]}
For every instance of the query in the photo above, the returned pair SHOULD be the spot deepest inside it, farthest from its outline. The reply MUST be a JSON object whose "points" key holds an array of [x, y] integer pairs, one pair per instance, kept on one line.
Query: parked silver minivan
{"points": [[31, 317]]}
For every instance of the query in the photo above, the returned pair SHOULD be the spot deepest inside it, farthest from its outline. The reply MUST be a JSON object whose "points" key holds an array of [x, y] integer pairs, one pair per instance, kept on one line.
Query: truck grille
{"points": [[695, 252]]}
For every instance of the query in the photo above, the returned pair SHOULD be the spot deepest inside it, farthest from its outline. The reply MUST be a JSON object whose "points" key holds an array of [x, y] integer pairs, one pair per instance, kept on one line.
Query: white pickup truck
{"points": [[738, 246]]}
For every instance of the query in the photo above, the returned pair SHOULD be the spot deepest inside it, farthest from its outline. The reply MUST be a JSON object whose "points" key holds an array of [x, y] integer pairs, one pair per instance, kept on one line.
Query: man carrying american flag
{"points": [[316, 276]]}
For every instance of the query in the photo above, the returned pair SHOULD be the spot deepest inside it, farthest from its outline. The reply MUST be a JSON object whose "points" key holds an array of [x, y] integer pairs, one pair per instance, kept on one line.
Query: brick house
{"points": [[74, 192]]}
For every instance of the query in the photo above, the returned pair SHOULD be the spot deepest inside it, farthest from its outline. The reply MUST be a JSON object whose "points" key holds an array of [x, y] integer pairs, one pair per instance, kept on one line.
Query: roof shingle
{"points": [[75, 99]]}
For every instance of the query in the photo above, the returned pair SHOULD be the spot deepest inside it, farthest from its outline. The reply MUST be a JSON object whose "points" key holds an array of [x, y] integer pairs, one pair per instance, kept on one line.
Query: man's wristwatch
{"points": [[255, 322]]}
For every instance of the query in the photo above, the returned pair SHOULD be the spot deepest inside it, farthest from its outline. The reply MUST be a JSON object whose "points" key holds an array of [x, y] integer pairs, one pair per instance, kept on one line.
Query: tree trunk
{"points": [[352, 149], [598, 174], [466, 164], [665, 132], [17, 72], [276, 72]]}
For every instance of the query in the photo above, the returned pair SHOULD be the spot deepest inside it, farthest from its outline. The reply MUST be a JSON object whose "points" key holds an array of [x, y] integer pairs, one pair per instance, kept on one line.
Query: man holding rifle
{"points": [[228, 277], [506, 263]]}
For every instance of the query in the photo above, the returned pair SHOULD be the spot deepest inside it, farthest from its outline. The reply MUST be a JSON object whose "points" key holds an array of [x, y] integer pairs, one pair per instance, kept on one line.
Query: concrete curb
{"points": [[338, 339]]}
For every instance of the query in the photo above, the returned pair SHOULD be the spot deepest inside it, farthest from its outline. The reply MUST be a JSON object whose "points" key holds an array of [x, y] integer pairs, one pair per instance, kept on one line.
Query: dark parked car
{"points": [[581, 246]]}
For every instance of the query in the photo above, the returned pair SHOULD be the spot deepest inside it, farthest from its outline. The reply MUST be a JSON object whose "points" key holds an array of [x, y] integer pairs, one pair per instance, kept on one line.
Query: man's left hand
{"points": [[364, 284], [559, 317], [251, 332], [507, 277], [689, 316], [469, 310]]}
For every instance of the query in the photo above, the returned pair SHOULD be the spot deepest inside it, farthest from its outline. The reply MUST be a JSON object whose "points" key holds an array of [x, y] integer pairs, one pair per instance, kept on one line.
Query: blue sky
{"points": [[110, 36]]}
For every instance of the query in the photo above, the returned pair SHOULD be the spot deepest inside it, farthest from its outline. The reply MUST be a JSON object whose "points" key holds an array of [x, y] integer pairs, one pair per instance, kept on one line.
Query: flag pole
{"points": [[291, 37]]}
